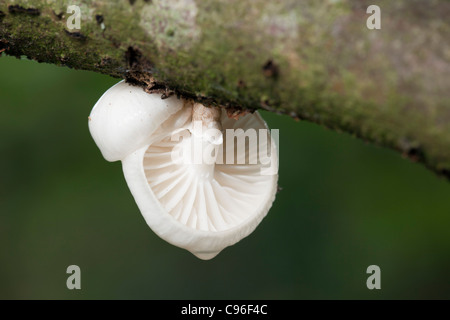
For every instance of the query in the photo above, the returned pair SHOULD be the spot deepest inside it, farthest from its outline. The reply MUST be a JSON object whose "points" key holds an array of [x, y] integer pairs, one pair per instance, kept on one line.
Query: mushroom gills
{"points": [[207, 196]]}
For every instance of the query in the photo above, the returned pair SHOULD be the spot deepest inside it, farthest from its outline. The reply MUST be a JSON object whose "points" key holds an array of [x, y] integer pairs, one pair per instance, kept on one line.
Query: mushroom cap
{"points": [[125, 117], [201, 207]]}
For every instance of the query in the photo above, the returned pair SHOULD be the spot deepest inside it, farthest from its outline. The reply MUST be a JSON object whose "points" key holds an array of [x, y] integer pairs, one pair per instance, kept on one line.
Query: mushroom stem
{"points": [[206, 123], [209, 116], [207, 138]]}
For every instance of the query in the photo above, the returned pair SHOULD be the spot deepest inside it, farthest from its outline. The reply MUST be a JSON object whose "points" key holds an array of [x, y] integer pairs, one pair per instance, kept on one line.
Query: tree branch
{"points": [[313, 60]]}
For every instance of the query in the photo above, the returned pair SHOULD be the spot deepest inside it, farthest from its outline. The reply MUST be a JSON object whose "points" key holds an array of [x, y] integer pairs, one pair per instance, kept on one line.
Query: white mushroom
{"points": [[197, 183]]}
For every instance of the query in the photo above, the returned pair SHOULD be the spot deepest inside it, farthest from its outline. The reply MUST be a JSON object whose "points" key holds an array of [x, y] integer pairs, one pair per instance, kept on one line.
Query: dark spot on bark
{"points": [[105, 61], [140, 71], [59, 15], [64, 59], [16, 9], [154, 87], [76, 35], [115, 43], [166, 95], [2, 15], [445, 173], [270, 69], [241, 84], [133, 81], [266, 104], [415, 154], [294, 116], [132, 1], [149, 85], [3, 45], [99, 18], [236, 112], [132, 55]]}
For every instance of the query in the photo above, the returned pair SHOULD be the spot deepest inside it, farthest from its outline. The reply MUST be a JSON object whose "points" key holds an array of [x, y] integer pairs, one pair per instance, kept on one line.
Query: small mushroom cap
{"points": [[125, 117]]}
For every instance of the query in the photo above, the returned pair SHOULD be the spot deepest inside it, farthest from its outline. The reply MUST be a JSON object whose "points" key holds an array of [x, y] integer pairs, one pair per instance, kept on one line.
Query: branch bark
{"points": [[313, 60]]}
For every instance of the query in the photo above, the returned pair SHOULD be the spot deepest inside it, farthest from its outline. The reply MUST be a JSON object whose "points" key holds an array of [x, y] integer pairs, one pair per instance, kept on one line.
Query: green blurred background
{"points": [[345, 205]]}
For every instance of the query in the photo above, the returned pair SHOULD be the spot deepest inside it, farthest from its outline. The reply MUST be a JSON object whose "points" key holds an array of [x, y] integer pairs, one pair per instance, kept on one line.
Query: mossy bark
{"points": [[314, 60]]}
